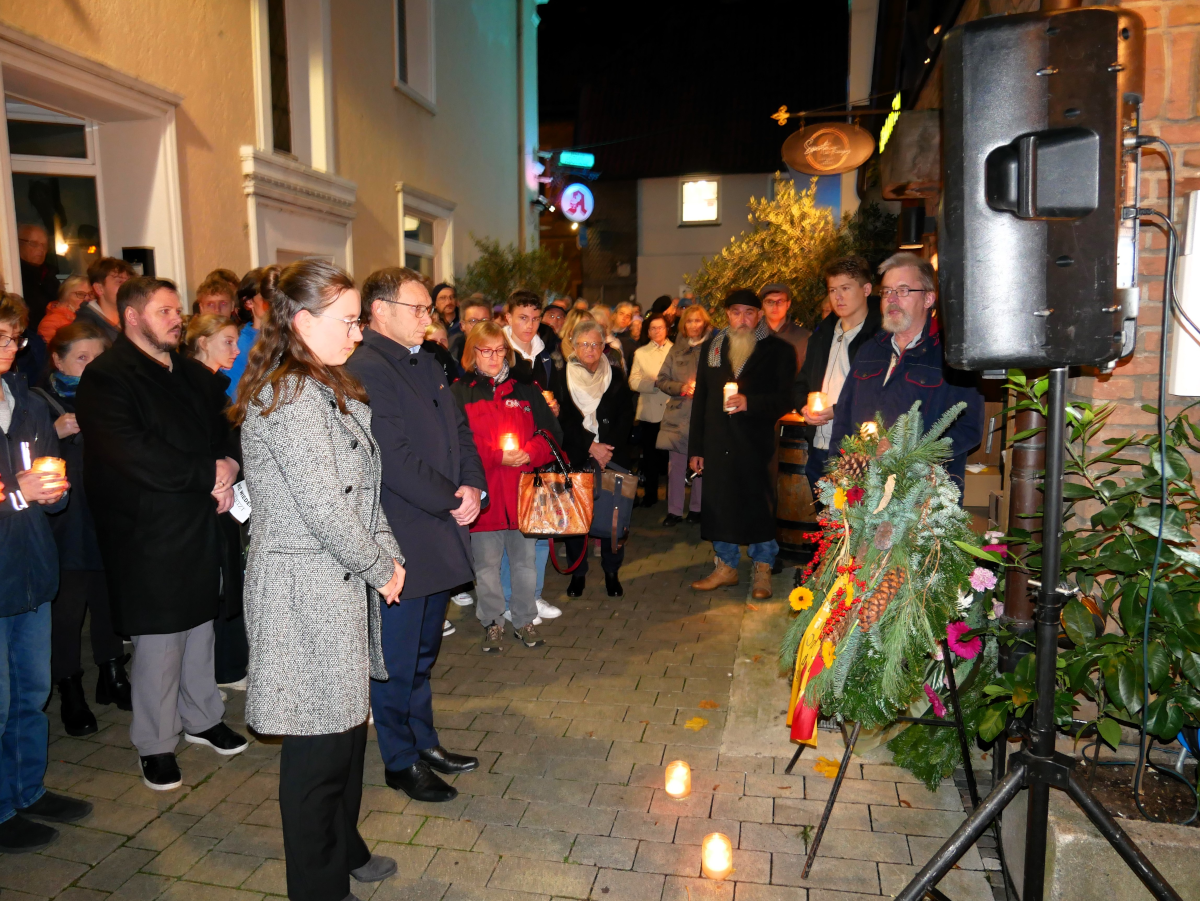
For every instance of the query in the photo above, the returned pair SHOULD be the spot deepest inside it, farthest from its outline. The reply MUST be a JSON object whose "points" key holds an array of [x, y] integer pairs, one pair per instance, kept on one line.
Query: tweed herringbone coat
{"points": [[320, 548]]}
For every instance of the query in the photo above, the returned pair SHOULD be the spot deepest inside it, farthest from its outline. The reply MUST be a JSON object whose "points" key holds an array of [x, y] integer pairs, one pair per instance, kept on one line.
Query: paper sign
{"points": [[241, 502]]}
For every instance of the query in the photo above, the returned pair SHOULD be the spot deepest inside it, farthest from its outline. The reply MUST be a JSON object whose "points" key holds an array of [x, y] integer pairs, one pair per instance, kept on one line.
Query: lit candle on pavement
{"points": [[716, 859], [679, 779]]}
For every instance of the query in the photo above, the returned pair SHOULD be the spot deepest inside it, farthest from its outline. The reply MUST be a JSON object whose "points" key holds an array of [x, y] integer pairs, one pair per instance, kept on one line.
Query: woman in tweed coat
{"points": [[321, 554]]}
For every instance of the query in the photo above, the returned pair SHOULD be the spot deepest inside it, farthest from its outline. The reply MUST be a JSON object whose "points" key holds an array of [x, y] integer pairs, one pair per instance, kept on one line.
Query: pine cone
{"points": [[871, 609], [854, 466], [883, 536]]}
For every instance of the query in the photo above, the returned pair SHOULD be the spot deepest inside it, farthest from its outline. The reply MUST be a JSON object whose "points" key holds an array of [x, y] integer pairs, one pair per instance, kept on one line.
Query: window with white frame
{"points": [[426, 233], [414, 51], [700, 201]]}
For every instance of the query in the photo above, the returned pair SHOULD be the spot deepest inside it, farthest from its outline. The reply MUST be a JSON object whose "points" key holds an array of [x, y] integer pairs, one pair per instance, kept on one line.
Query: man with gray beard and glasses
{"points": [[743, 385]]}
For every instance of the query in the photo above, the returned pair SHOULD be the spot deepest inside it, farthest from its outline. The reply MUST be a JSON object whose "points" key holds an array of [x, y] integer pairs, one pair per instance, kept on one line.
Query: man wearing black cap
{"points": [[732, 439]]}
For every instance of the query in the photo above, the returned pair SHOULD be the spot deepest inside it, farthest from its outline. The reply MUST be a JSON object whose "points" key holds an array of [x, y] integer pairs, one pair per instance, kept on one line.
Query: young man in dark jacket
{"points": [[28, 581], [832, 349], [904, 363]]}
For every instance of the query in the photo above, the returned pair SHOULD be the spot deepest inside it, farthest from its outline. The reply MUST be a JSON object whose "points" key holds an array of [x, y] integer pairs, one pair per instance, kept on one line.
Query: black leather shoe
{"points": [[693, 517], [113, 685], [420, 783], [672, 520], [575, 589], [220, 738], [161, 772], [444, 761], [613, 585], [57, 808], [18, 835], [77, 717]]}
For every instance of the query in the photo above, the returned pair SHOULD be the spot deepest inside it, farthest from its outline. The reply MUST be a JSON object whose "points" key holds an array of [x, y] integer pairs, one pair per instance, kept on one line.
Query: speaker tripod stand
{"points": [[1039, 767]]}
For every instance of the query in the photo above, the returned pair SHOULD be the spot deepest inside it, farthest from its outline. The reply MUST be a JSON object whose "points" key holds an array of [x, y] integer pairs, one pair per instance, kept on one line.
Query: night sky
{"points": [[663, 87]]}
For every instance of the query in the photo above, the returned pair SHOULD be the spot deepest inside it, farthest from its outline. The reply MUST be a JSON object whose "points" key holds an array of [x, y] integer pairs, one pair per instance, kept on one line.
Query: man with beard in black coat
{"points": [[732, 440], [158, 469], [433, 483]]}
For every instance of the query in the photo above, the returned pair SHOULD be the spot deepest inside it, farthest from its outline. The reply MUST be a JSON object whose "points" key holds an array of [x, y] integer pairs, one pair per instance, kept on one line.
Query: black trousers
{"points": [[320, 791], [610, 562], [78, 592], [231, 652], [653, 460]]}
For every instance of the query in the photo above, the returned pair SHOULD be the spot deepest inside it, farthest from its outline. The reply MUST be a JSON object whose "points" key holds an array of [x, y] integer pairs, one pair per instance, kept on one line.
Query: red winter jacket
{"points": [[514, 407]]}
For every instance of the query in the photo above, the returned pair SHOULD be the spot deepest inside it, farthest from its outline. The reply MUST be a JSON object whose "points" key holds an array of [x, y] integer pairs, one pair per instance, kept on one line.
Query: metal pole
{"points": [[837, 785], [792, 763], [965, 835], [1046, 630], [972, 788]]}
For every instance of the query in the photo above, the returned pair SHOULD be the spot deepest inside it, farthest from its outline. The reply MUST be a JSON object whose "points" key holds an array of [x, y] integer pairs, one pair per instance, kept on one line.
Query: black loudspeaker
{"points": [[1035, 258]]}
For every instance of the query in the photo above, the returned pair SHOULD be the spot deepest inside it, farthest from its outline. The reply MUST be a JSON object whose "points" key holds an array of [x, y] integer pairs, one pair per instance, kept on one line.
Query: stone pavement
{"points": [[568, 801]]}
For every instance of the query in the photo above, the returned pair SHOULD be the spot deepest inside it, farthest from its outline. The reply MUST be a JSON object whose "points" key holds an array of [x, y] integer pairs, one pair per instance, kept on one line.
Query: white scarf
{"points": [[536, 346], [587, 388]]}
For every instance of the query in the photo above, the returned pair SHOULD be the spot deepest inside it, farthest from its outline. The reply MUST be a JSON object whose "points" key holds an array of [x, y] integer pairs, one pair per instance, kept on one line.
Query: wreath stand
{"points": [[956, 723]]}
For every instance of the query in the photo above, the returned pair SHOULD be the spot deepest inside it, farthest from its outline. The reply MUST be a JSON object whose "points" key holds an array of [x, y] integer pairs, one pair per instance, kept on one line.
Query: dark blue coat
{"points": [[920, 375], [428, 453], [28, 556]]}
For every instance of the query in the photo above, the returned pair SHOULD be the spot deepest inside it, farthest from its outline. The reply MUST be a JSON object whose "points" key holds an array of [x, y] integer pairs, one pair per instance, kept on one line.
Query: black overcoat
{"points": [[614, 416], [152, 437], [739, 449], [428, 453]]}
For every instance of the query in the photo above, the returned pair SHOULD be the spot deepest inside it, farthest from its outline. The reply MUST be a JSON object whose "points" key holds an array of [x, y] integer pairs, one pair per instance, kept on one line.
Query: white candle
{"points": [[716, 856], [731, 389], [678, 779], [869, 430]]}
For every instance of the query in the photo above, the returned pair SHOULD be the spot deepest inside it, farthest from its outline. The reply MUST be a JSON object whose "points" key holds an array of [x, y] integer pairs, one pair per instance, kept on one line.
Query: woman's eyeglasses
{"points": [[6, 342], [589, 345], [351, 322], [488, 352]]}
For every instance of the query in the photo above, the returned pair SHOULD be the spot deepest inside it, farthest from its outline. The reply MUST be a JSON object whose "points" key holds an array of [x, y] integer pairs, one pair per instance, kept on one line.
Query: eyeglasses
{"points": [[7, 342], [471, 323], [903, 291], [351, 322], [589, 345], [488, 352], [421, 309]]}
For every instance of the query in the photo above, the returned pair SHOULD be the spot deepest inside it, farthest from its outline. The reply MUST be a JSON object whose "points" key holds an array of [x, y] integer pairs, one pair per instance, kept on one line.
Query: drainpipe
{"points": [[522, 200]]}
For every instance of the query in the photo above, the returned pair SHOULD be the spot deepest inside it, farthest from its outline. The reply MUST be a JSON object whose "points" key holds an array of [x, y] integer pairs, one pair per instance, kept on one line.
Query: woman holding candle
{"points": [[596, 415], [321, 556], [82, 583], [28, 581], [651, 404], [677, 379], [504, 408]]}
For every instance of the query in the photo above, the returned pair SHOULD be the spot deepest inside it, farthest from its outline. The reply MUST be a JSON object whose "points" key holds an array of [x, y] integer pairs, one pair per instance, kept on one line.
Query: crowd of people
{"points": [[282, 490]]}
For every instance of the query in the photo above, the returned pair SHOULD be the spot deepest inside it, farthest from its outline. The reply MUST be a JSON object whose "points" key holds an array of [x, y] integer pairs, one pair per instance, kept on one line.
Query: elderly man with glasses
{"points": [[433, 486], [904, 363]]}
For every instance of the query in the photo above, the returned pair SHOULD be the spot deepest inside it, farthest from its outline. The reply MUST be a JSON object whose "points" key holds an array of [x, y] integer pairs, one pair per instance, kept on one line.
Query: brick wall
{"points": [[1171, 111]]}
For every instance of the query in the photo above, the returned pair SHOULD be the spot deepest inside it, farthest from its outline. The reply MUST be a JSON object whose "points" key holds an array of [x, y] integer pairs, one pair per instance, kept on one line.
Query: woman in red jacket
{"points": [[504, 412]]}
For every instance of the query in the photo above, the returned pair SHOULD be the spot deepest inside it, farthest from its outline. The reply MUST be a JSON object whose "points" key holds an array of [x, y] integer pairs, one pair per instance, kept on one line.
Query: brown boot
{"points": [[762, 581], [722, 576]]}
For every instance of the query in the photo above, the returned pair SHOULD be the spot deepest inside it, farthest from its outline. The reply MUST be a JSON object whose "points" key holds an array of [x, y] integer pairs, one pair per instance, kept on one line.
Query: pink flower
{"points": [[1001, 549], [997, 608], [939, 709], [967, 650], [982, 579]]}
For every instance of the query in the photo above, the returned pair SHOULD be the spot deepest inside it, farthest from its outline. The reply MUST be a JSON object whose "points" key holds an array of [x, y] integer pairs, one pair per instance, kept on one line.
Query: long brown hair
{"points": [[279, 358]]}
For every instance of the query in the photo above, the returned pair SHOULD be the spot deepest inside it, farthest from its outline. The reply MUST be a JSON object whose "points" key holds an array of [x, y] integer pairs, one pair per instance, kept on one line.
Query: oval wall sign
{"points": [[828, 149]]}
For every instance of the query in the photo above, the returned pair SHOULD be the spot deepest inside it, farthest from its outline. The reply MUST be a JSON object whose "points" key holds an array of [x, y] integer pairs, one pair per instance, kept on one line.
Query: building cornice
{"points": [[290, 183]]}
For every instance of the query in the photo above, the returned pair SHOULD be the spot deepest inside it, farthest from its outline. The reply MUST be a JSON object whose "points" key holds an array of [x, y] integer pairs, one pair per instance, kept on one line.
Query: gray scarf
{"points": [[761, 331]]}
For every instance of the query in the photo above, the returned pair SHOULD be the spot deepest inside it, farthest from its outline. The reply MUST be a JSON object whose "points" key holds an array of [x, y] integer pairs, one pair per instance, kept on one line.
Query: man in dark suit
{"points": [[433, 484], [158, 469]]}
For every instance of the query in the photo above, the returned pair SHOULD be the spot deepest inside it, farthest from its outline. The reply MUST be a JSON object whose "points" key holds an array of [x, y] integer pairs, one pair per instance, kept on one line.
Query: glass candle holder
{"points": [[869, 430], [679, 779], [508, 442], [716, 857], [817, 401], [55, 466]]}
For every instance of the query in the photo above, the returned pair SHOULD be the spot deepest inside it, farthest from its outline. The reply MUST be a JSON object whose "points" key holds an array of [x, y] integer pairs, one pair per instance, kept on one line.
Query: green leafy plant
{"points": [[1107, 557], [790, 239], [498, 271]]}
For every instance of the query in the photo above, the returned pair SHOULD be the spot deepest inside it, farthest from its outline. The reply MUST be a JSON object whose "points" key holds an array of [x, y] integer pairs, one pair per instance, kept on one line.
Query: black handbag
{"points": [[616, 490]]}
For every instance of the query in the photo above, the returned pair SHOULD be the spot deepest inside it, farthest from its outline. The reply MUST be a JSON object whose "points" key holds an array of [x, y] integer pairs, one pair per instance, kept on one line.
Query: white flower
{"points": [[965, 600], [992, 537]]}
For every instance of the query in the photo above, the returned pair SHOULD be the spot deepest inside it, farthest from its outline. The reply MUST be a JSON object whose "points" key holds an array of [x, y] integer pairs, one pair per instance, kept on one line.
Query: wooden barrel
{"points": [[795, 513]]}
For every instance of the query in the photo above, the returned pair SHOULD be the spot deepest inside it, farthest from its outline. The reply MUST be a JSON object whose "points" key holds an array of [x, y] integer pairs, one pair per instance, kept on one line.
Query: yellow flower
{"points": [[827, 768], [827, 654], [839, 499], [800, 598]]}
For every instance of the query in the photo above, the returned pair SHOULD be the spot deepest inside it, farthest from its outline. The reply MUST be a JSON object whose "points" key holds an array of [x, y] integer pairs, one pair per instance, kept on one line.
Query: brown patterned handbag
{"points": [[554, 501]]}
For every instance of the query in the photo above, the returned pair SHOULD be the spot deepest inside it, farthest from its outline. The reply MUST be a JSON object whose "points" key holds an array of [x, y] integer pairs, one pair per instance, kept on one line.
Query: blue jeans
{"points": [[24, 690], [541, 554], [763, 552], [815, 467]]}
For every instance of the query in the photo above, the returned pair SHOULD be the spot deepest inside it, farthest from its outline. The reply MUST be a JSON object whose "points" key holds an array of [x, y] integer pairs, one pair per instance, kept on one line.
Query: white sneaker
{"points": [[547, 611], [239, 685], [537, 620], [447, 628], [463, 599]]}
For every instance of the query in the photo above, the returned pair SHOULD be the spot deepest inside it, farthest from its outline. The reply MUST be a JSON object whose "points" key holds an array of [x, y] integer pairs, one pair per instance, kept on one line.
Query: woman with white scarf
{"points": [[596, 416]]}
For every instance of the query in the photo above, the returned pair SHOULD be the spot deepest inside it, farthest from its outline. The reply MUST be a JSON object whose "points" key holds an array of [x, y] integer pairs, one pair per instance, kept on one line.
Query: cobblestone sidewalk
{"points": [[568, 801]]}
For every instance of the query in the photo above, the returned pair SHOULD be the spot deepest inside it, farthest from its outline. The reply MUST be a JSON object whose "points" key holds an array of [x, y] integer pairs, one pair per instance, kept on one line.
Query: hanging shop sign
{"points": [[828, 149], [577, 202]]}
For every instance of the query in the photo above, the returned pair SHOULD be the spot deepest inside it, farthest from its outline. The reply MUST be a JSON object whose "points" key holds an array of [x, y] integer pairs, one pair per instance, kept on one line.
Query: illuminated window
{"points": [[699, 201]]}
